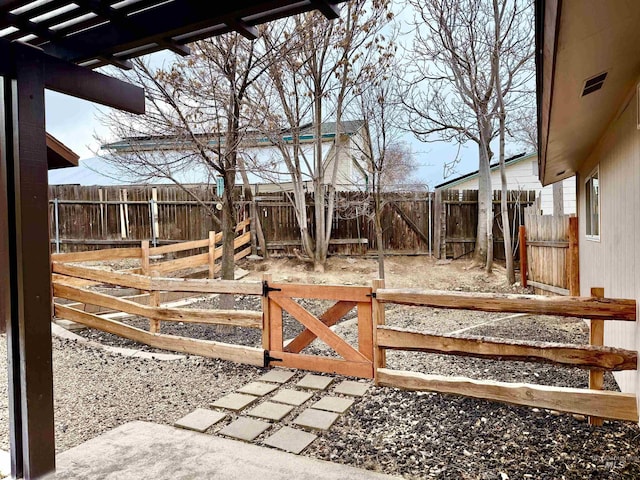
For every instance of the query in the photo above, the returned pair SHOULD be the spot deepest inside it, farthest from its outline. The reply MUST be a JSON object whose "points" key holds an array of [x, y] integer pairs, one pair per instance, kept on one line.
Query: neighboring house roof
{"points": [[587, 54], [59, 155], [174, 142], [508, 162]]}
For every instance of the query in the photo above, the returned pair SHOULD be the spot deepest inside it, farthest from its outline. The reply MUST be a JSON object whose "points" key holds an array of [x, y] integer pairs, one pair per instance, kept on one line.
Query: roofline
{"points": [[509, 161], [168, 143], [547, 13], [59, 155]]}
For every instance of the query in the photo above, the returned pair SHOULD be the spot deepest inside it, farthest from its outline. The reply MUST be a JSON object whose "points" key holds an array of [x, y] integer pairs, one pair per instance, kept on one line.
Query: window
{"points": [[592, 220]]}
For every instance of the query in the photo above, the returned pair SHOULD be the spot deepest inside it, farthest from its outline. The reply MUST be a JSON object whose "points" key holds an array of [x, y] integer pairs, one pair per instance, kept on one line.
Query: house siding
{"points": [[613, 262], [521, 176]]}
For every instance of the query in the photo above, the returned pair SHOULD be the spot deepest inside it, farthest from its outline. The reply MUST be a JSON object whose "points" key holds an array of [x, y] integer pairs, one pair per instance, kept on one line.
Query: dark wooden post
{"points": [[378, 318], [522, 233], [573, 258], [26, 269]]}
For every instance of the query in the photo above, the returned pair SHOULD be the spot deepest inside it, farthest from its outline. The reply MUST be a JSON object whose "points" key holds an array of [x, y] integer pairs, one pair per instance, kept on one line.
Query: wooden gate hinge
{"points": [[268, 358], [266, 289]]}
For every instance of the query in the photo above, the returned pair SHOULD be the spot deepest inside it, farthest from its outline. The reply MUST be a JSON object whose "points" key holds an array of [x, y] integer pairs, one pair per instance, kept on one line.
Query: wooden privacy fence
{"points": [[595, 403], [95, 217], [456, 221], [549, 261]]}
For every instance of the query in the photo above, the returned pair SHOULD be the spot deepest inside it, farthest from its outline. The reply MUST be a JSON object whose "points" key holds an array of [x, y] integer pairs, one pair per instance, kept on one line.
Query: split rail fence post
{"points": [[154, 296], [378, 318], [596, 337], [212, 254], [523, 255], [573, 260], [266, 323]]}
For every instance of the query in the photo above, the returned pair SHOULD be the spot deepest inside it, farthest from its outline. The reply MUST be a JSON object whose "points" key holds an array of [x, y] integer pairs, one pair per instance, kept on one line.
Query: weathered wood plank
{"points": [[179, 247], [549, 288], [614, 405], [365, 330], [205, 348], [321, 292], [182, 263], [97, 255], [103, 276], [596, 337], [603, 358], [206, 286], [323, 364], [332, 316], [159, 283], [237, 318], [585, 307], [323, 332]]}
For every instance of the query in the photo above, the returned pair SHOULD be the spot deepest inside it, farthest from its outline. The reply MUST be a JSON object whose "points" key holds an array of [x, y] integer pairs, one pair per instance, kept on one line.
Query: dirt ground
{"points": [[419, 271]]}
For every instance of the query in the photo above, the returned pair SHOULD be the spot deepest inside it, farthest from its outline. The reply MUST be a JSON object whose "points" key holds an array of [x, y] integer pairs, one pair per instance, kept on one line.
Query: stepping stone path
{"points": [[280, 396], [245, 429], [258, 389], [234, 401], [200, 420], [316, 419], [333, 404], [270, 411]]}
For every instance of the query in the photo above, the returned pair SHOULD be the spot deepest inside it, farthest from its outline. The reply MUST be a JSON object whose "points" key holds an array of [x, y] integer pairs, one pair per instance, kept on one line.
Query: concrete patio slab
{"points": [[349, 387], [200, 420], [316, 419], [290, 440], [277, 376], [258, 389], [314, 382], [234, 401], [333, 404], [245, 429], [291, 397], [270, 411], [142, 450]]}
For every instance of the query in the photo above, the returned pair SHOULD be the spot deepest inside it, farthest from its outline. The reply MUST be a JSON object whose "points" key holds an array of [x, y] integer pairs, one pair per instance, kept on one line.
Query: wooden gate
{"points": [[279, 298]]}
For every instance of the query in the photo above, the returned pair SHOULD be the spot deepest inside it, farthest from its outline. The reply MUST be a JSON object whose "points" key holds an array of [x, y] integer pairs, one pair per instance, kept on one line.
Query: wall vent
{"points": [[594, 83]]}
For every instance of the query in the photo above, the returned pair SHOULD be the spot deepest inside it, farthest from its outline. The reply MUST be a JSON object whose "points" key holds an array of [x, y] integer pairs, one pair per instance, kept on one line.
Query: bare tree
{"points": [[196, 120], [512, 56], [452, 94], [313, 84]]}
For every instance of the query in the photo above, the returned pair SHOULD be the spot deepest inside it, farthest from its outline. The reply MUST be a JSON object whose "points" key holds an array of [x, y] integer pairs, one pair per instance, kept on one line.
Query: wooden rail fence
{"points": [[73, 282], [597, 358]]}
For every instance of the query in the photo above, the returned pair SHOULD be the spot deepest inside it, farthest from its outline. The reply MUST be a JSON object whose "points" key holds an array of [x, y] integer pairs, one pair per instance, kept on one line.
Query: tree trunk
{"points": [[256, 224], [321, 246], [484, 184], [379, 240]]}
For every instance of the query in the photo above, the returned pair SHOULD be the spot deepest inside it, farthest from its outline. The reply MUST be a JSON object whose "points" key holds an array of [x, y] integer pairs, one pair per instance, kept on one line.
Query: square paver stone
{"points": [[316, 419], [277, 376], [270, 411], [290, 440], [333, 404], [291, 397], [349, 387], [234, 401], [245, 429], [200, 419], [258, 388], [314, 382]]}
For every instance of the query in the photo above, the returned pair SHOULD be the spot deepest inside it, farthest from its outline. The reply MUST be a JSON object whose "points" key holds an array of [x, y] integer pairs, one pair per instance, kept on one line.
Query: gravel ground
{"points": [[413, 434]]}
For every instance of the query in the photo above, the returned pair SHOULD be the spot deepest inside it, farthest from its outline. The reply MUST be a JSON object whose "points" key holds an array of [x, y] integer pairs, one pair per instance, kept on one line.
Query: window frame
{"points": [[589, 217]]}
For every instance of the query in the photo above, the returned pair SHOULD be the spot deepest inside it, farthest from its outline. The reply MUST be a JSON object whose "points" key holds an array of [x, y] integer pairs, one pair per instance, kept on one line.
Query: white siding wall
{"points": [[521, 176], [613, 262]]}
